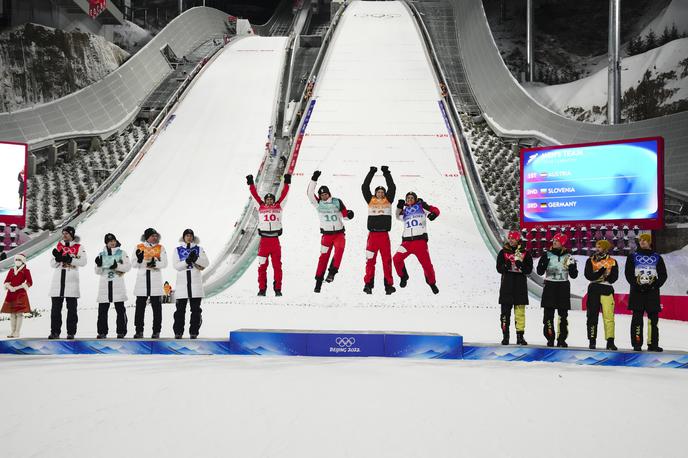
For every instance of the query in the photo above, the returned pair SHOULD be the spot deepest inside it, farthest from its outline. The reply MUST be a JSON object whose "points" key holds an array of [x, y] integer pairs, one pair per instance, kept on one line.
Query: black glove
{"points": [[192, 256], [287, 178], [432, 216], [401, 203], [114, 265], [350, 214], [66, 259], [373, 169], [151, 263], [316, 175], [57, 255], [99, 261], [249, 180], [643, 288], [139, 256], [189, 261], [385, 169], [544, 261], [519, 264]]}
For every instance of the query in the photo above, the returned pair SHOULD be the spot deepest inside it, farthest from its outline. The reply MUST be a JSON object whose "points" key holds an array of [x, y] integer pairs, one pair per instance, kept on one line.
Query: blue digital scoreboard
{"points": [[609, 182]]}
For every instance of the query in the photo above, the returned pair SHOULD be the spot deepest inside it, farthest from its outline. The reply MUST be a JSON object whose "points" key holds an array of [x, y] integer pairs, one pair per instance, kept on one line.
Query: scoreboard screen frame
{"points": [[642, 223]]}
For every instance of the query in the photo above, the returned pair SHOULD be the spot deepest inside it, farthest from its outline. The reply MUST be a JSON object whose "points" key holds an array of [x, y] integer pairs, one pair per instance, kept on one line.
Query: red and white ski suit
{"points": [[332, 213], [415, 238], [269, 229]]}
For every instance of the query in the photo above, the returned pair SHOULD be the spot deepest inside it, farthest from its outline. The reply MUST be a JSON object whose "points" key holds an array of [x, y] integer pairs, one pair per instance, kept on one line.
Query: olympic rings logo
{"points": [[646, 259], [345, 341]]}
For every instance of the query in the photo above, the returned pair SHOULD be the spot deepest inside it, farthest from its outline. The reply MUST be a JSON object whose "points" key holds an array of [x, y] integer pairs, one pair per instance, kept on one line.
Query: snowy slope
{"points": [[186, 406], [676, 13], [592, 90], [377, 103], [193, 174]]}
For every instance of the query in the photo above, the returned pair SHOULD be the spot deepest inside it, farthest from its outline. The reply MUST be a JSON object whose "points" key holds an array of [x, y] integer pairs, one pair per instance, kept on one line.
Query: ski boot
{"points": [[318, 285], [519, 338], [138, 335], [178, 336], [403, 279], [562, 344], [610, 344], [390, 289], [70, 336], [637, 348], [332, 271], [155, 335], [193, 336], [368, 288], [550, 343], [505, 338], [261, 292], [53, 336], [278, 293], [434, 289], [593, 344], [101, 336], [655, 348], [120, 336]]}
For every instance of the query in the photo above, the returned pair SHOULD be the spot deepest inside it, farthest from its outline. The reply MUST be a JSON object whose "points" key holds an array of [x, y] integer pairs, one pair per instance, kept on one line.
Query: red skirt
{"points": [[16, 302]]}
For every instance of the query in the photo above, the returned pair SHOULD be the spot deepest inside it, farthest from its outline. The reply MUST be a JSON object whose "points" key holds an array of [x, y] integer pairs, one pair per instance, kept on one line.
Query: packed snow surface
{"points": [[110, 406]]}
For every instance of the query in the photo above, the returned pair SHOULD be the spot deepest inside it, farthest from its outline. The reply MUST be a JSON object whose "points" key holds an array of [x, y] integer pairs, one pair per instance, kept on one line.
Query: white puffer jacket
{"points": [[149, 279], [66, 276], [111, 286], [189, 277]]}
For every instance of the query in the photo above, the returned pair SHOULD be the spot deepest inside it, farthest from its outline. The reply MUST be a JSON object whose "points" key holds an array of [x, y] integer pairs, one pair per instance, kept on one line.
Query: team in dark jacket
{"points": [[557, 265], [514, 263], [646, 273], [602, 271]]}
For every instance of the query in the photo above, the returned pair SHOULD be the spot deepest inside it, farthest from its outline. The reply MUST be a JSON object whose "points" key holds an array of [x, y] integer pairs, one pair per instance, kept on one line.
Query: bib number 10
{"points": [[412, 223], [331, 218], [269, 217]]}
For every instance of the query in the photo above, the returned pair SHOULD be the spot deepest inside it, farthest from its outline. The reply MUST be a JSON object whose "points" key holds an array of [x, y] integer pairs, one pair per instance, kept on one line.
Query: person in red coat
{"points": [[17, 284]]}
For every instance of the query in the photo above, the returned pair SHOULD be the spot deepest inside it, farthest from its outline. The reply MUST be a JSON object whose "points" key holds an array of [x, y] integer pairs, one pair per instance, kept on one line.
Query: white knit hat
{"points": [[20, 257]]}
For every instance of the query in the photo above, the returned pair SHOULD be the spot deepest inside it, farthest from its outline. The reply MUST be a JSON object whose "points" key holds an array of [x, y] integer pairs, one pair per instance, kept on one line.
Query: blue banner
{"points": [[423, 346], [346, 344]]}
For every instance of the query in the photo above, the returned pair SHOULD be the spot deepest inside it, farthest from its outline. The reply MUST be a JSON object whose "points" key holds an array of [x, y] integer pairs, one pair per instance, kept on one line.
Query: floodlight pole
{"points": [[529, 39], [614, 64], [181, 6]]}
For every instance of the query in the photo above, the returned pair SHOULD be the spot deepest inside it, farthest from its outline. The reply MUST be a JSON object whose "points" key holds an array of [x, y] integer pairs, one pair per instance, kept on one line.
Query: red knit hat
{"points": [[514, 235], [561, 238]]}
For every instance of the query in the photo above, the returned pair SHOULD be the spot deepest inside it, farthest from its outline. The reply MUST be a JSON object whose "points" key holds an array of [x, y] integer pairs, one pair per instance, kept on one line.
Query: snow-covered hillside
{"points": [[39, 64], [586, 99], [675, 14]]}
